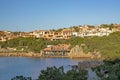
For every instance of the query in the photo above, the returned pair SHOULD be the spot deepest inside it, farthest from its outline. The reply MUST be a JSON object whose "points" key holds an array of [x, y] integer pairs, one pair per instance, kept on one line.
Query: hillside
{"points": [[108, 46]]}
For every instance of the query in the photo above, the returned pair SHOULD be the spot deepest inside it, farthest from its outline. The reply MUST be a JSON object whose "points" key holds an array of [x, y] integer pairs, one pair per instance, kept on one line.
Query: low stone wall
{"points": [[21, 54]]}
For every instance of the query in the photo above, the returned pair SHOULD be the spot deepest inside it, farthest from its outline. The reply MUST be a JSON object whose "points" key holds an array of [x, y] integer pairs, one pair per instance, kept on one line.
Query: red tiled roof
{"points": [[47, 49], [60, 47]]}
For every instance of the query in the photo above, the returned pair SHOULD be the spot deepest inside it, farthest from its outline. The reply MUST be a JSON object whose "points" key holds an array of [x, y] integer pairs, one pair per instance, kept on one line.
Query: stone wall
{"points": [[21, 54]]}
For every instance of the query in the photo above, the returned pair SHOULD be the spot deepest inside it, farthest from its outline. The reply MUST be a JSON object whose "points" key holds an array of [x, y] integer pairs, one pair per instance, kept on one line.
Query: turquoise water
{"points": [[13, 66]]}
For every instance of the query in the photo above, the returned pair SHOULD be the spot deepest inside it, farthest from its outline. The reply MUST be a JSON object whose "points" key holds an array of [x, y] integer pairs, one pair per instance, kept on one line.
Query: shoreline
{"points": [[17, 54], [38, 55]]}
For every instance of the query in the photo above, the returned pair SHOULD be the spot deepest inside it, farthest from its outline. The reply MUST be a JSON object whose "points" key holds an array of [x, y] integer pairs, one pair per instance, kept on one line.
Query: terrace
{"points": [[56, 50]]}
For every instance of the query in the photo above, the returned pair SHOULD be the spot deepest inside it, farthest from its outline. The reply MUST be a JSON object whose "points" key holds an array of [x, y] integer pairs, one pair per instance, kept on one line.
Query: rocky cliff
{"points": [[78, 52]]}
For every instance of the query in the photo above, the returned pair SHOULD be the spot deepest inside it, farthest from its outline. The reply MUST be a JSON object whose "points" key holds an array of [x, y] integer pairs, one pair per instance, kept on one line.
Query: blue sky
{"points": [[28, 15]]}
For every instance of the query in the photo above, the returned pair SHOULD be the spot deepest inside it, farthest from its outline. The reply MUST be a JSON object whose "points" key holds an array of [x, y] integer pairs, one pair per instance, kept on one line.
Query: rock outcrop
{"points": [[89, 64], [77, 51]]}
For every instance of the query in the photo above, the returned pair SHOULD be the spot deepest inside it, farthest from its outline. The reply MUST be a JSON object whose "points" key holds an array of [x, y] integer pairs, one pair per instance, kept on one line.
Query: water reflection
{"points": [[12, 66]]}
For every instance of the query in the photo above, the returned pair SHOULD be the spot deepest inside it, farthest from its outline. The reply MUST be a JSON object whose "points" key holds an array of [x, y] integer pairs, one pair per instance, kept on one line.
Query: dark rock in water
{"points": [[89, 64], [74, 66]]}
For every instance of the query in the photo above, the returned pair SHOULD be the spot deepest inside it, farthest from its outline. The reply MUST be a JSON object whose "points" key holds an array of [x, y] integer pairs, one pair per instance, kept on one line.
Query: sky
{"points": [[29, 15]]}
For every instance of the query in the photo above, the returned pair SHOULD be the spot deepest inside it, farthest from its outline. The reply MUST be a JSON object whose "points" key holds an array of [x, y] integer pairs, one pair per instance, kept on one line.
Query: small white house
{"points": [[75, 34]]}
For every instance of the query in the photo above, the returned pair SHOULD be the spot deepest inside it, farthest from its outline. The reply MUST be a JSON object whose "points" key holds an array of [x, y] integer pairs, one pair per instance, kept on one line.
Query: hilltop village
{"points": [[60, 49], [64, 33]]}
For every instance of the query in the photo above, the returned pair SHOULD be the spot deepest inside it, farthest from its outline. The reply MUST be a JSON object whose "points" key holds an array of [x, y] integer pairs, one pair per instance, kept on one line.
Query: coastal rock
{"points": [[89, 64], [77, 51]]}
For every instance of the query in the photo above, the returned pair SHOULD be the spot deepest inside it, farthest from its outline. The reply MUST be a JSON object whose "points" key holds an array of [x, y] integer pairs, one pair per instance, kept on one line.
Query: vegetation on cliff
{"points": [[109, 71], [29, 44]]}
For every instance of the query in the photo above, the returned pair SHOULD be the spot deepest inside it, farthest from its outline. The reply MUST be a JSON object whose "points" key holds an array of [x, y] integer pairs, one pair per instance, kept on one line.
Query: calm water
{"points": [[13, 66]]}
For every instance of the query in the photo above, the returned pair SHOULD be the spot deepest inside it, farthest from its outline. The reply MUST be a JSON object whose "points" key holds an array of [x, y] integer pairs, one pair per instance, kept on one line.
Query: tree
{"points": [[52, 73], [76, 28], [76, 75], [109, 71], [21, 78]]}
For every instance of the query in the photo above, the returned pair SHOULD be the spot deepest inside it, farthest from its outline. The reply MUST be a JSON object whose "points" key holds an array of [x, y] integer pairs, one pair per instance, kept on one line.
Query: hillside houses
{"points": [[65, 33], [53, 35], [95, 32], [7, 35]]}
